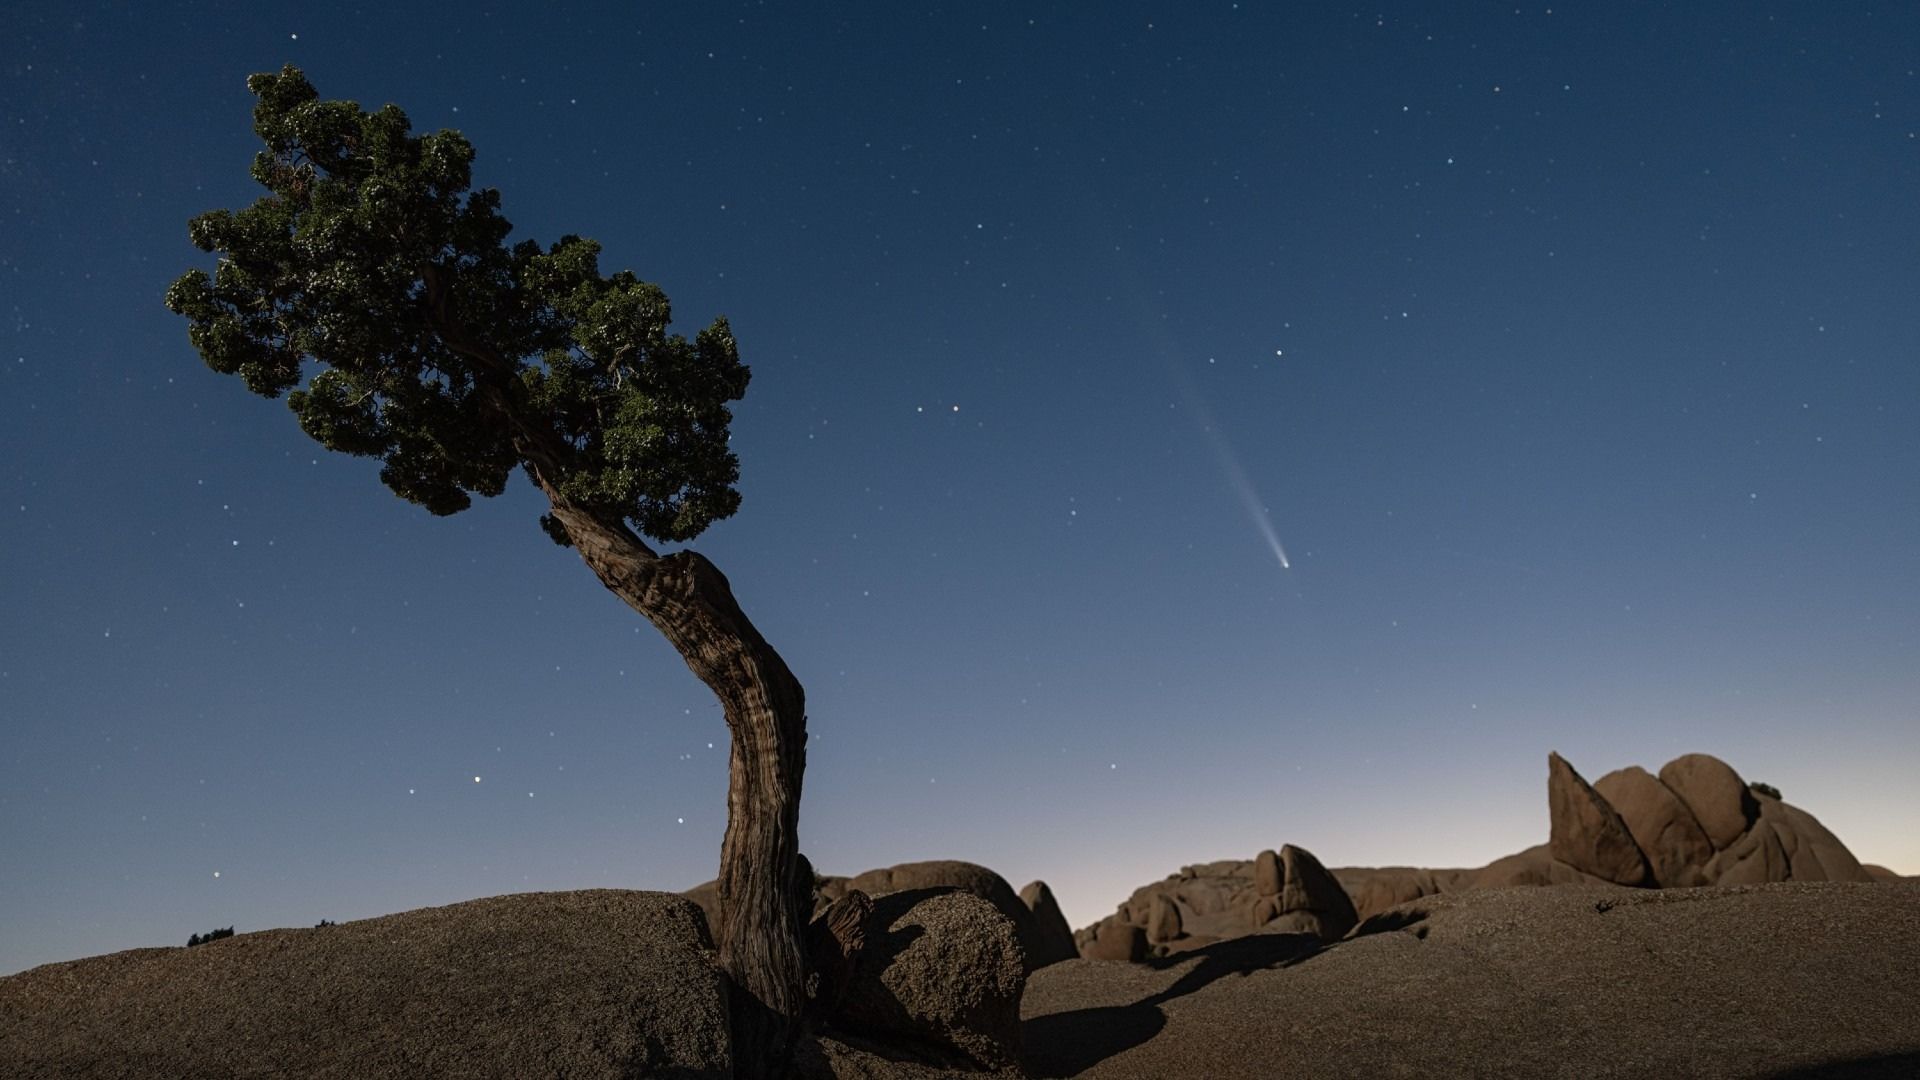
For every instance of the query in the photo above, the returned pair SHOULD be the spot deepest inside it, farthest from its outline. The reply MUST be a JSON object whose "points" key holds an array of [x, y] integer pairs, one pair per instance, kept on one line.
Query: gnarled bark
{"points": [[761, 924], [764, 906]]}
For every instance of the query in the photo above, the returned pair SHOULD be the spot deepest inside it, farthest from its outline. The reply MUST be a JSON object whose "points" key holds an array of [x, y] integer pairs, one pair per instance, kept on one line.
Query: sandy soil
{"points": [[1782, 981], [1786, 982]]}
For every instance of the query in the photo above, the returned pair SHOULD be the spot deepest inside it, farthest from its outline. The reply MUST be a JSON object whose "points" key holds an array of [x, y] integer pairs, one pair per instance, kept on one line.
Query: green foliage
{"points": [[211, 935], [1768, 790], [375, 288]]}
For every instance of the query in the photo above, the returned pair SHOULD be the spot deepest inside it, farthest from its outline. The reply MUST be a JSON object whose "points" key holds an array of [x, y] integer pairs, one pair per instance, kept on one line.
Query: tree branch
{"points": [[549, 457]]}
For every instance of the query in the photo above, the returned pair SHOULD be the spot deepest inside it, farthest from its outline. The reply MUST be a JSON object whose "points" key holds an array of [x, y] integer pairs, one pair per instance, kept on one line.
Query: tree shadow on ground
{"points": [[1067, 1043], [1400, 918], [1899, 1066]]}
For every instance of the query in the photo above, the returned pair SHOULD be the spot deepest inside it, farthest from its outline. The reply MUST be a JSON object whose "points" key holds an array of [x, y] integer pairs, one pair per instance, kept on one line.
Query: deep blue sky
{"points": [[1570, 353]]}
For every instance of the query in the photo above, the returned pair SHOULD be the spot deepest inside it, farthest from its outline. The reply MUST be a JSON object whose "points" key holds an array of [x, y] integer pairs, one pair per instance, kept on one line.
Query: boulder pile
{"points": [[1698, 823], [1695, 823], [1041, 929], [922, 963], [1276, 892]]}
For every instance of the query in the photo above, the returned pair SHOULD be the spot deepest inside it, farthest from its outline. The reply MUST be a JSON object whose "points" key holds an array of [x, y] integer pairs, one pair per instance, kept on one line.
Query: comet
{"points": [[1234, 473], [1229, 462], [1236, 477]]}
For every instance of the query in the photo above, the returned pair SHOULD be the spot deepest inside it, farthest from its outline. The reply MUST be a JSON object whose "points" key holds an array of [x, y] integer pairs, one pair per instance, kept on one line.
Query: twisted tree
{"points": [[374, 287]]}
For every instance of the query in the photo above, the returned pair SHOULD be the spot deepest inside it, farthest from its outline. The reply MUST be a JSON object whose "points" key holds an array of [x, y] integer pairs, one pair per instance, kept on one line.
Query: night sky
{"points": [[1176, 430]]}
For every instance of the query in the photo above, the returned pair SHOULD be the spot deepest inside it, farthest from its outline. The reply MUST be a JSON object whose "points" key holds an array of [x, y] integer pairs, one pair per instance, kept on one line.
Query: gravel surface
{"points": [[1784, 982], [597, 983], [1781, 981]]}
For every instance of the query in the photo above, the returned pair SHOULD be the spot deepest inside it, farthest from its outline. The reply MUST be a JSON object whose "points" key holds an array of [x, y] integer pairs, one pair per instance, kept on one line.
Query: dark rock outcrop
{"points": [[598, 983], [835, 939], [1052, 939], [1041, 944]]}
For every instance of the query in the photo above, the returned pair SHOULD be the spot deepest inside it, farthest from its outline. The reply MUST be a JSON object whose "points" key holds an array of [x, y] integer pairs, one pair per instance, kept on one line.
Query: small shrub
{"points": [[1768, 790], [211, 935], [323, 922]]}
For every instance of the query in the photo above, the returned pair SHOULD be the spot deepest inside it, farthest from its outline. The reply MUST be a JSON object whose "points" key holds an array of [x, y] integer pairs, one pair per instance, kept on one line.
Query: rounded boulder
{"points": [[1715, 793], [941, 968], [1666, 831]]}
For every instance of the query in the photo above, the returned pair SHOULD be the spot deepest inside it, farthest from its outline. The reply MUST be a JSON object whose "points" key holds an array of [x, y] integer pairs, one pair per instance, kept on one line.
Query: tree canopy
{"points": [[377, 286]]}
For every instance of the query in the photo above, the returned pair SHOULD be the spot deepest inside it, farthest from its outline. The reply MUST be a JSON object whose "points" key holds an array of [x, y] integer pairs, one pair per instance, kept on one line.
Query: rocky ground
{"points": [[1791, 980], [1696, 823], [1681, 925], [1779, 981]]}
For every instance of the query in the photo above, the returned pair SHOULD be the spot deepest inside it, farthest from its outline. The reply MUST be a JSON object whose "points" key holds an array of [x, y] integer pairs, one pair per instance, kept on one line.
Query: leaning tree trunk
{"points": [[761, 920], [764, 908]]}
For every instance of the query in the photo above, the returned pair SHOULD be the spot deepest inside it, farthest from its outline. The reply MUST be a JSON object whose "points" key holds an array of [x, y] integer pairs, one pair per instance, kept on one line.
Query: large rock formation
{"points": [[1785, 843], [1038, 944], [1052, 939], [1309, 900], [1268, 877], [1696, 823], [1374, 889], [1586, 833], [942, 957], [1676, 847], [942, 970], [1113, 939], [1043, 940], [1163, 920], [598, 983], [1817, 851], [1713, 791], [1287, 891]]}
